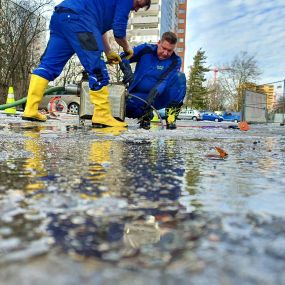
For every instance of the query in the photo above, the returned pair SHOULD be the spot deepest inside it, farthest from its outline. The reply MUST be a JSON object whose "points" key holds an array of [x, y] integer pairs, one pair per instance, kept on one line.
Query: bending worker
{"points": [[157, 79], [80, 27]]}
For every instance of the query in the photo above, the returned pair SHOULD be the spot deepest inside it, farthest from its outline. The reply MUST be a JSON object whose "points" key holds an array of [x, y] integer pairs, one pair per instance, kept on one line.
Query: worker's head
{"points": [[166, 45], [138, 4]]}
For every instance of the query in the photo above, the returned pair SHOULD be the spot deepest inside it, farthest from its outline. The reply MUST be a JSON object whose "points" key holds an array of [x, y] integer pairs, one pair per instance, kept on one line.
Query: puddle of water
{"points": [[144, 200]]}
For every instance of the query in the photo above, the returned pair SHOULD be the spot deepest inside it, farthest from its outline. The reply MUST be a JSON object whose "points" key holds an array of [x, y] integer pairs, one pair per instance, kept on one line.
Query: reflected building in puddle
{"points": [[140, 233]]}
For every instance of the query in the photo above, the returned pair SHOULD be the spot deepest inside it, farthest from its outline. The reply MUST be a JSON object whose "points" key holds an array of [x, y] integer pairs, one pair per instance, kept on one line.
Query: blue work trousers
{"points": [[172, 96], [70, 33]]}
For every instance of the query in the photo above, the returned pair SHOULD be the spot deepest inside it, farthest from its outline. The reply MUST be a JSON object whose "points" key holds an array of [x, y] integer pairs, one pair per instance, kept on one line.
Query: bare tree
{"points": [[115, 73], [72, 72], [215, 99], [242, 70], [22, 38]]}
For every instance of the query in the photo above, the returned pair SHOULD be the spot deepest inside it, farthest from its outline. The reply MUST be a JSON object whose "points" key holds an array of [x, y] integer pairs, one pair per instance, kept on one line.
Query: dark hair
{"points": [[169, 37], [147, 4]]}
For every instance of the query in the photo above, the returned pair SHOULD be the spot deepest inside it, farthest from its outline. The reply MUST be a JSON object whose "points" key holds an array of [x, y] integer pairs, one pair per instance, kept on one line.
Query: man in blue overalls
{"points": [[80, 27], [157, 79]]}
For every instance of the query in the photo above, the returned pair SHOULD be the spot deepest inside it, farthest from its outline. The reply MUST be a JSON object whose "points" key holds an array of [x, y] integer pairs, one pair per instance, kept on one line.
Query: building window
{"points": [[181, 40], [180, 49], [181, 11], [181, 21], [180, 31], [181, 1]]}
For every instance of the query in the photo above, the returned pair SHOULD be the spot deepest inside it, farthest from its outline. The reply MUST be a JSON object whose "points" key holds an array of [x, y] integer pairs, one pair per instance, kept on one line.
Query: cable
{"points": [[157, 113]]}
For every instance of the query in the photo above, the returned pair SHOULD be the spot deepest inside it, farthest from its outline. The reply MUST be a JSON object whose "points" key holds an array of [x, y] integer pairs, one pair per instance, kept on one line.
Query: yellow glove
{"points": [[129, 53], [113, 57]]}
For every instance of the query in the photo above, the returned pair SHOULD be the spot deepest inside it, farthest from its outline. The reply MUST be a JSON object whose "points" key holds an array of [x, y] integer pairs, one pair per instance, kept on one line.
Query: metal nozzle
{"points": [[74, 89]]}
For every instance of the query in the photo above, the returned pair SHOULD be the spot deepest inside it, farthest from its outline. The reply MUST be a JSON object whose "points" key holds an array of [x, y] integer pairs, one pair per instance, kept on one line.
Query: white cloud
{"points": [[224, 28]]}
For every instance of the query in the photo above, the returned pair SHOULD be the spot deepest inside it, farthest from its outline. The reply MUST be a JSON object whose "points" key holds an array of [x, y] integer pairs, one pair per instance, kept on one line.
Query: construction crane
{"points": [[216, 70]]}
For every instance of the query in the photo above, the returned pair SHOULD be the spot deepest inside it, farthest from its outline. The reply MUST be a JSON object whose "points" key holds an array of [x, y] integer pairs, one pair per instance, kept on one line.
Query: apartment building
{"points": [[181, 31], [269, 90], [163, 15], [144, 26]]}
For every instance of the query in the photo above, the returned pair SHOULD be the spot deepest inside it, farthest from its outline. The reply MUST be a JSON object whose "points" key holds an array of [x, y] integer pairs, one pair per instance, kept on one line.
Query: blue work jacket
{"points": [[150, 71], [104, 14]]}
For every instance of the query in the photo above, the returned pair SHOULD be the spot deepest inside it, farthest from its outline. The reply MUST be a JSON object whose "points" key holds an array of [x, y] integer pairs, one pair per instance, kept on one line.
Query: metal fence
{"points": [[254, 107], [262, 108]]}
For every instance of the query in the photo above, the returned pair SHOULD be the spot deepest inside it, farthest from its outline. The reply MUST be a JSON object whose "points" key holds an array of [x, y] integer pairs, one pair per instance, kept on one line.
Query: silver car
{"points": [[189, 114], [69, 97]]}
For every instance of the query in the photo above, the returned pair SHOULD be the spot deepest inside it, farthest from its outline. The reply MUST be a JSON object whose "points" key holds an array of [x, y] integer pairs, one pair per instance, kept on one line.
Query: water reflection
{"points": [[269, 163], [155, 180], [139, 233], [192, 174], [34, 167], [104, 164], [132, 171], [132, 201], [109, 131], [23, 225], [99, 162]]}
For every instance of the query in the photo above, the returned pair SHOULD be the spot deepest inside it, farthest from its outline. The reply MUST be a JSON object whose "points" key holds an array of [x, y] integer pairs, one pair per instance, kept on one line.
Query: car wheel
{"points": [[73, 108], [216, 120], [194, 118]]}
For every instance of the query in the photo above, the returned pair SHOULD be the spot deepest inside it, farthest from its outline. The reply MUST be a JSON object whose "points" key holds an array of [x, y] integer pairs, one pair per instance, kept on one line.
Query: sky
{"points": [[224, 28]]}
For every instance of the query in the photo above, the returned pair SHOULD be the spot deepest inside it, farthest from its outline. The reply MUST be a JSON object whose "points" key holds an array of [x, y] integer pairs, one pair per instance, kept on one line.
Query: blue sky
{"points": [[223, 28]]}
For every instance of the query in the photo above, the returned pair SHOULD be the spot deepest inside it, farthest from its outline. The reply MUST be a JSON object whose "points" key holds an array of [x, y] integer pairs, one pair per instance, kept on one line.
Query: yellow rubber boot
{"points": [[171, 114], [36, 91], [102, 116]]}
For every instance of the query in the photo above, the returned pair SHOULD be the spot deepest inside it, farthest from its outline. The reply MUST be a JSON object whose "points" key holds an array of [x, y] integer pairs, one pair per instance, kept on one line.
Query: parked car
{"points": [[189, 114], [184, 114], [232, 116], [70, 97], [211, 117]]}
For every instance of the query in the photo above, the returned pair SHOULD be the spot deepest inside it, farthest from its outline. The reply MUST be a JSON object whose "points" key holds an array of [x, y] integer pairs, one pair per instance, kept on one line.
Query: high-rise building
{"points": [[144, 26], [270, 92], [168, 16], [163, 15], [267, 89], [182, 17]]}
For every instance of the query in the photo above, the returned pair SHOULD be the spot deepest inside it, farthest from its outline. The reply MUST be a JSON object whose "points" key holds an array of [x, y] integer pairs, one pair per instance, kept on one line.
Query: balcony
{"points": [[143, 32], [144, 20]]}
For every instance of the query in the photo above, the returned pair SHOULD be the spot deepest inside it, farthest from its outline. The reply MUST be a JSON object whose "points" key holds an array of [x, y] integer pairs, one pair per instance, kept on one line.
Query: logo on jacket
{"points": [[160, 67]]}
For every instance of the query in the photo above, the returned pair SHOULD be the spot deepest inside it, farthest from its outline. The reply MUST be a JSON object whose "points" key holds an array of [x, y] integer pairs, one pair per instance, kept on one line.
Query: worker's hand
{"points": [[129, 53], [113, 57]]}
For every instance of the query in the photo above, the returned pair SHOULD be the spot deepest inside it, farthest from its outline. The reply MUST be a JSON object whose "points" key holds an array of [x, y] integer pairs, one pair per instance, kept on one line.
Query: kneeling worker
{"points": [[157, 79], [80, 27]]}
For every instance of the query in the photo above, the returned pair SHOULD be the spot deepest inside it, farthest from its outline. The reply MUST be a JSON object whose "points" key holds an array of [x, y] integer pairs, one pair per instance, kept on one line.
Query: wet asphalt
{"points": [[115, 206]]}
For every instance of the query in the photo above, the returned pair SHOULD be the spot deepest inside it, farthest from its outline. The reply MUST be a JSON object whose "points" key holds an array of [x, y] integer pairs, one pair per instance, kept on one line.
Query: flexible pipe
{"points": [[24, 100], [157, 113], [61, 88]]}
